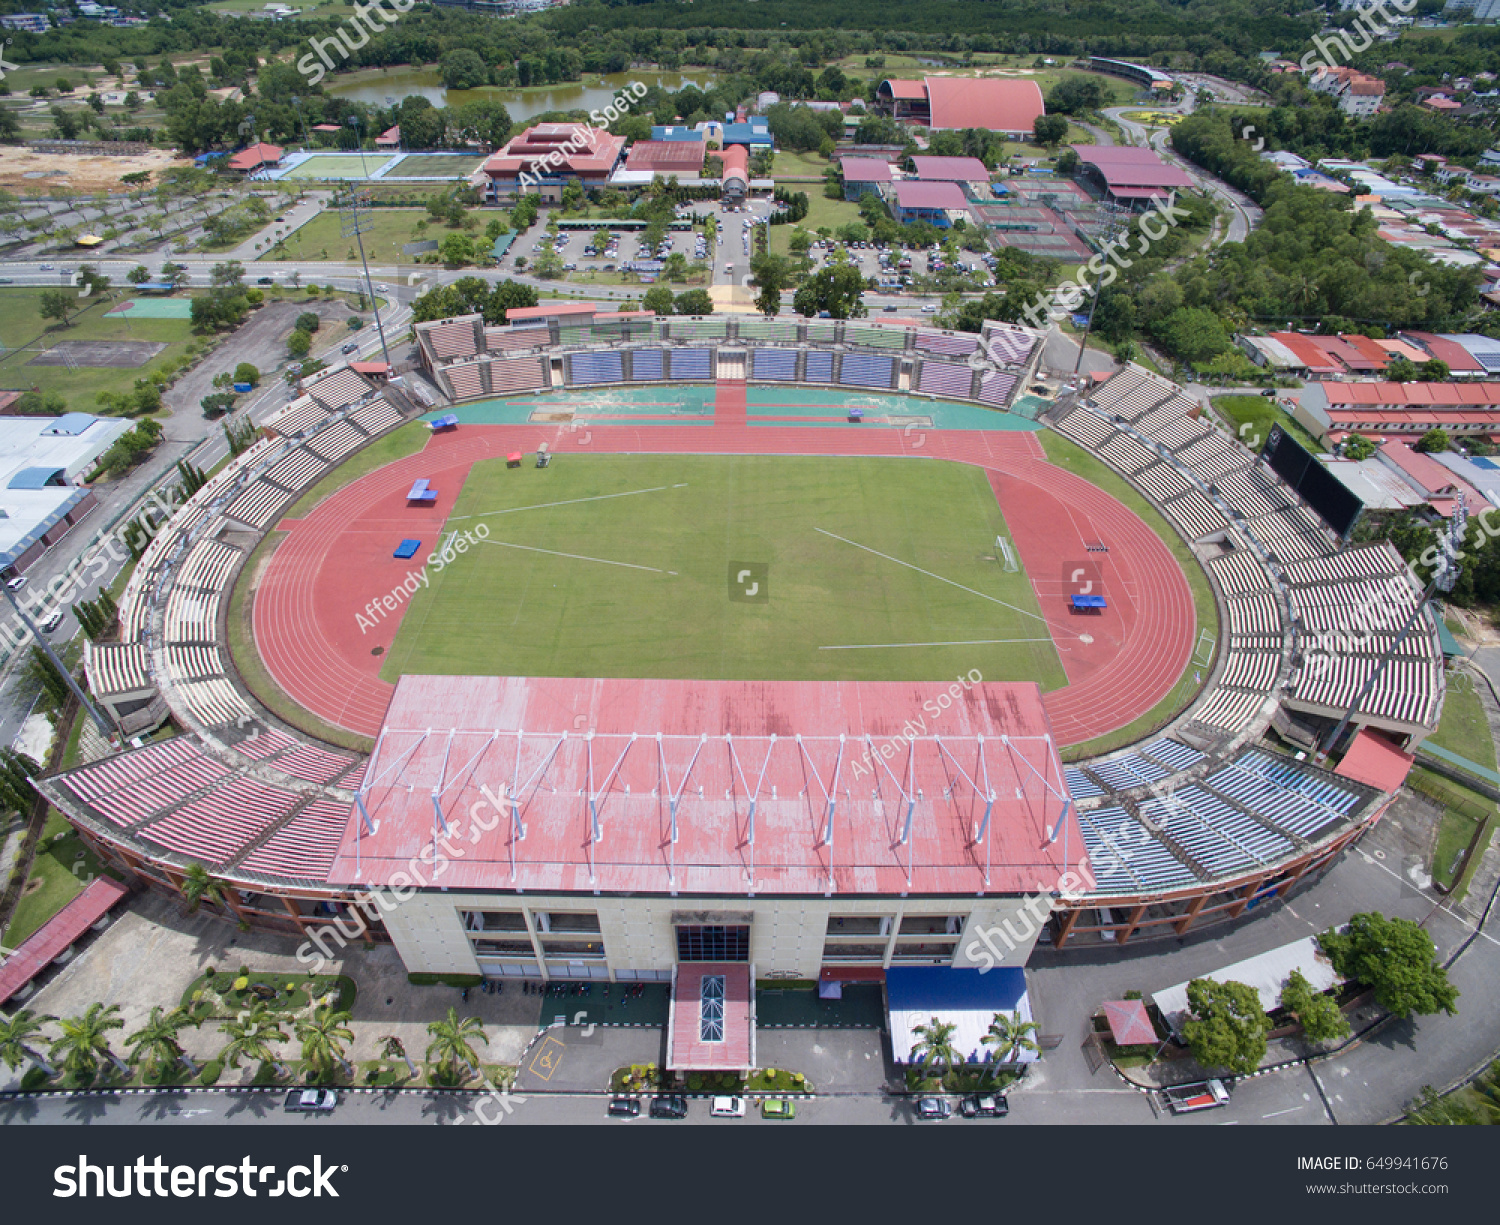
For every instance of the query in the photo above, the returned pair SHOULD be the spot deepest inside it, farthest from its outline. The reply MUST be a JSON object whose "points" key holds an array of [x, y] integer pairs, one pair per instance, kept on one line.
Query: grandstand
{"points": [[1198, 823], [469, 361]]}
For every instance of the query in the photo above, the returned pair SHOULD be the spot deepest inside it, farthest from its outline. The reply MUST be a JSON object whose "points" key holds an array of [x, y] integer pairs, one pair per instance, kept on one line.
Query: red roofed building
{"points": [[913, 200], [999, 104], [1334, 410], [1131, 176], [736, 162], [1316, 361], [389, 139], [683, 157], [1441, 487], [1458, 359], [950, 169], [864, 174], [547, 156], [246, 161]]}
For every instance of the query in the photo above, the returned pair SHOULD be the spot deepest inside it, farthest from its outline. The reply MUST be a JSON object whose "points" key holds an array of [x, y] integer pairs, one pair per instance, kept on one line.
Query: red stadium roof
{"points": [[997, 103], [1375, 761], [594, 769], [907, 91], [951, 169], [668, 156], [550, 309]]}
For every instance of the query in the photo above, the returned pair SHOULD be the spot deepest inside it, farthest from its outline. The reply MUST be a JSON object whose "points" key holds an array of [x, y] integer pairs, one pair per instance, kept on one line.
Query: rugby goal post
{"points": [[1006, 556]]}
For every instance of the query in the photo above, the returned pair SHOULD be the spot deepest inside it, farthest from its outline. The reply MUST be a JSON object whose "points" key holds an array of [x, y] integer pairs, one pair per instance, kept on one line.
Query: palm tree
{"points": [[16, 1033], [85, 1039], [324, 1037], [1009, 1035], [935, 1044], [156, 1043], [393, 1048], [451, 1042], [250, 1037], [198, 886]]}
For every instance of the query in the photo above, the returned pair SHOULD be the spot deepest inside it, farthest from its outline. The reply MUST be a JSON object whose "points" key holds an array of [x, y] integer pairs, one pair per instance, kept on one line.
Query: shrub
{"points": [[211, 1073], [241, 983]]}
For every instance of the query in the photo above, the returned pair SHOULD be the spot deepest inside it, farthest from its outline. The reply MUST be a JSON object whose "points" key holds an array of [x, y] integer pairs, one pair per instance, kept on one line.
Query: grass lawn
{"points": [[390, 228], [60, 870], [1075, 459], [26, 334], [788, 165], [1465, 731], [649, 589], [1260, 413]]}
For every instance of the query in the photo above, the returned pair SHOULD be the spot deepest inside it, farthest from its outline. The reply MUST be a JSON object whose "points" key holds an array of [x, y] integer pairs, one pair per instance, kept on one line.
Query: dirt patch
{"points": [[24, 169]]}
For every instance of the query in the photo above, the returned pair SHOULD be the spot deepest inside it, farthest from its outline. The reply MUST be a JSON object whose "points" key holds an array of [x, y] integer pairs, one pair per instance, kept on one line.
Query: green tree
{"points": [[1396, 959], [325, 1036], [1433, 441], [838, 289], [199, 886], [251, 1035], [1049, 129], [934, 1044], [659, 299], [308, 321], [391, 1047], [1318, 1015], [453, 1043], [52, 685], [1010, 1036], [16, 772], [138, 275], [84, 1043], [1228, 1027], [17, 1032], [462, 68], [57, 304], [694, 302], [299, 344], [246, 373], [1357, 446], [156, 1043]]}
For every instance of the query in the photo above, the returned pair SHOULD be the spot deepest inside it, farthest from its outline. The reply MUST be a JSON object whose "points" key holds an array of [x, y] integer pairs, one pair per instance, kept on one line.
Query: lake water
{"points": [[592, 93]]}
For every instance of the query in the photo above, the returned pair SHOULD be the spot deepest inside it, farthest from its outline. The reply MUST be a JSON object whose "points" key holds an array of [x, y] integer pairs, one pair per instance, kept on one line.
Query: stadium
{"points": [[608, 645]]}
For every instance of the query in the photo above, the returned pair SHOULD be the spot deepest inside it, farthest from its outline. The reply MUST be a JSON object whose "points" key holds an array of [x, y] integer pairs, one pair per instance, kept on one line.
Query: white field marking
{"points": [[603, 561], [1034, 616], [972, 642], [603, 497]]}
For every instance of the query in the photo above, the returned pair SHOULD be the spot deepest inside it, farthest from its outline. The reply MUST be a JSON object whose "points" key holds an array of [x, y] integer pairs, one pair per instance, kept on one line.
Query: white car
{"points": [[17, 583], [52, 622], [728, 1108], [929, 310], [728, 267]]}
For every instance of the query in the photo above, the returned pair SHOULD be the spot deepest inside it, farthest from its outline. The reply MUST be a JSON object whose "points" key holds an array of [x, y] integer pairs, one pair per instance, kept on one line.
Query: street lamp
{"points": [[354, 215]]}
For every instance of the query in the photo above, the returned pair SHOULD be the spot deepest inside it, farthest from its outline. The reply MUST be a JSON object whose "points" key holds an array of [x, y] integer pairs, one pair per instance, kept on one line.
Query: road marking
{"points": [[603, 561], [1276, 1113], [603, 497]]}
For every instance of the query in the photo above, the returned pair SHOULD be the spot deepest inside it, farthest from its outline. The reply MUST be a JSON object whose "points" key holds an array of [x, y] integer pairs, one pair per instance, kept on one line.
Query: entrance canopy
{"points": [[968, 999], [711, 1024]]}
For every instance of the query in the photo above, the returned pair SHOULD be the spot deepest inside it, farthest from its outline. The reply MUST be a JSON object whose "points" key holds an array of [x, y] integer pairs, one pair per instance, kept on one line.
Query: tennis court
{"points": [[337, 166], [154, 308], [99, 354], [434, 166]]}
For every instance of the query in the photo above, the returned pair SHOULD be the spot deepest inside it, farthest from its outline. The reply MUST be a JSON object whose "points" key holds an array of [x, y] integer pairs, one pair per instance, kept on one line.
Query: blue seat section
{"points": [[777, 364], [646, 365], [695, 364], [1125, 857], [1122, 773], [946, 379], [1172, 753], [596, 368], [1080, 785], [866, 370], [1300, 803], [819, 367], [1219, 836]]}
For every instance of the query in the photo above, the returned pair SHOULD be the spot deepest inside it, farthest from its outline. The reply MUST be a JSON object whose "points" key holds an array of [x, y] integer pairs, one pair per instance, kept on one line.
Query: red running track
{"points": [[318, 635]]}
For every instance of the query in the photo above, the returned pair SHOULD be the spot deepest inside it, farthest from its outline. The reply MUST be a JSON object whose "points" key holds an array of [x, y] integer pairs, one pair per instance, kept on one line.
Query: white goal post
{"points": [[1006, 556]]}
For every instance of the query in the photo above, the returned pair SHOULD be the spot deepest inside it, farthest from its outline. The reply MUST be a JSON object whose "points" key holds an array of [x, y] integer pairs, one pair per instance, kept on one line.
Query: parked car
{"points": [[778, 1108], [52, 622], [1200, 1095], [624, 1108], [311, 1101], [17, 583], [669, 1108], [984, 1106], [728, 1108], [933, 1108]]}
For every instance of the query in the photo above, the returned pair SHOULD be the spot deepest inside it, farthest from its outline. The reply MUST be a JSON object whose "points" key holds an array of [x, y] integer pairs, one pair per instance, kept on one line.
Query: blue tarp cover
{"points": [[407, 548]]}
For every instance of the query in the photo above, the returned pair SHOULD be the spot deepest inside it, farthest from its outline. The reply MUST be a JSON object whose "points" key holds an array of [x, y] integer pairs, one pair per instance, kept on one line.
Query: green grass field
{"points": [[390, 229], [656, 542], [1251, 417], [447, 165], [338, 166]]}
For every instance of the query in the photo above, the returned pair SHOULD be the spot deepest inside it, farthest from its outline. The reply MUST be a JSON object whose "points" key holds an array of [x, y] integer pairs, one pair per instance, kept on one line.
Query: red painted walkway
{"points": [[322, 579]]}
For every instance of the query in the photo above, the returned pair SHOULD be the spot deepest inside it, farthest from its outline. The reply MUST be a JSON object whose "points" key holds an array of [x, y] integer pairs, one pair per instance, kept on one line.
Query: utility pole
{"points": [[105, 729], [1116, 224], [355, 219]]}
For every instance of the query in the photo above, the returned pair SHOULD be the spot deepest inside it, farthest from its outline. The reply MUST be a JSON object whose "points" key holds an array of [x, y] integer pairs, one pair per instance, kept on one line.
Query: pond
{"points": [[379, 88]]}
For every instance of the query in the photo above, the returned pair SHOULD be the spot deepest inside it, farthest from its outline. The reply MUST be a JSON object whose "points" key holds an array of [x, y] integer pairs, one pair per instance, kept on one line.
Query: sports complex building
{"points": [[818, 649]]}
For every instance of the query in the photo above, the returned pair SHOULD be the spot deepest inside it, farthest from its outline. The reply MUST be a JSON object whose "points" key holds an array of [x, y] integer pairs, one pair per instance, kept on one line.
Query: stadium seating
{"points": [[867, 370], [695, 365], [945, 379], [775, 365], [646, 365], [586, 368]]}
